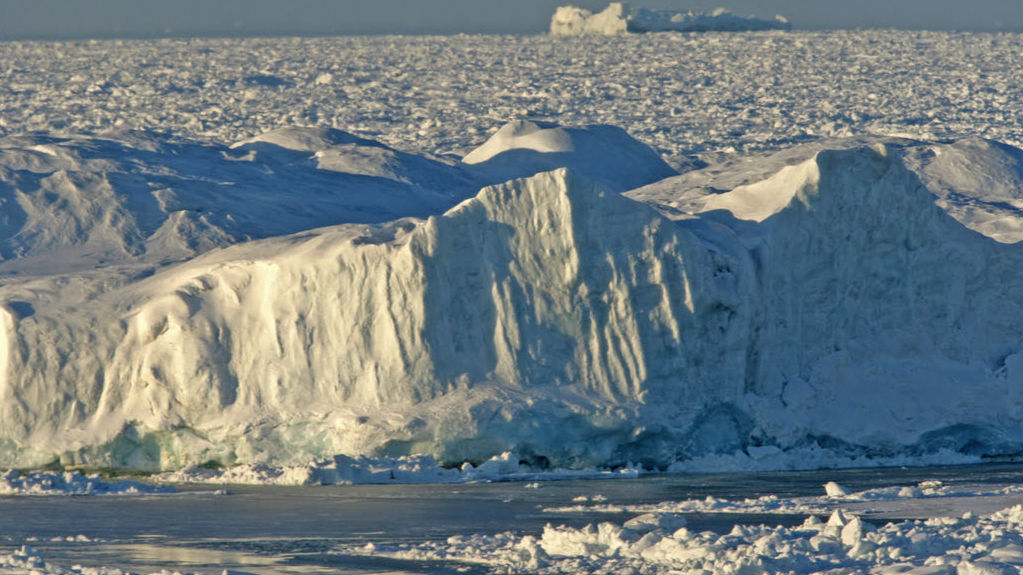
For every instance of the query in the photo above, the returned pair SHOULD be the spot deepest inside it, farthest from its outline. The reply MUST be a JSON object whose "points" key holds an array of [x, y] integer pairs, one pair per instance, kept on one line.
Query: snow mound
{"points": [[618, 18], [829, 307], [14, 482], [606, 154]]}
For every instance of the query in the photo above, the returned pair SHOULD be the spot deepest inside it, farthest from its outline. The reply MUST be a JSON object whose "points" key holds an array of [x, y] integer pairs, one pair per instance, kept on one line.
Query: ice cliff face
{"points": [[871, 295], [519, 292], [834, 302]]}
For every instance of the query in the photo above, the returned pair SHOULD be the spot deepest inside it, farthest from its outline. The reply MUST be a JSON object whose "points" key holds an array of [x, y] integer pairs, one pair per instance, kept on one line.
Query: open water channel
{"points": [[259, 529]]}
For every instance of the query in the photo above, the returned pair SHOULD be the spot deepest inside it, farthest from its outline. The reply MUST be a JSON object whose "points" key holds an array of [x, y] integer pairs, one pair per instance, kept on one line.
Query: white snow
{"points": [[29, 560], [618, 18], [835, 490]]}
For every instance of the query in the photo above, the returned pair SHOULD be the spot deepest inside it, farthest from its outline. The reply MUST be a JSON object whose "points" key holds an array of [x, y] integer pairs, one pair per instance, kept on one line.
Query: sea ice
{"points": [[693, 97]]}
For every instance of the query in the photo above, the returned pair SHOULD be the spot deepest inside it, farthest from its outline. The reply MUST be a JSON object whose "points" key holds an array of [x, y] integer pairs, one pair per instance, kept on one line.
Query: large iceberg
{"points": [[854, 297], [619, 18]]}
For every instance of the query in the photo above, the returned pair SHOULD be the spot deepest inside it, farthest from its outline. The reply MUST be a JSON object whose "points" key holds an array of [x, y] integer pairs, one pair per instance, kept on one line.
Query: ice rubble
{"points": [[618, 18], [687, 95], [660, 543], [362, 470], [13, 482], [836, 305]]}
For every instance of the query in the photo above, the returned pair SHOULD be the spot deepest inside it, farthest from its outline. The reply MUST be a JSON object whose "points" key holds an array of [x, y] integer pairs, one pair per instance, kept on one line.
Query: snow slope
{"points": [[618, 18], [75, 201], [834, 304]]}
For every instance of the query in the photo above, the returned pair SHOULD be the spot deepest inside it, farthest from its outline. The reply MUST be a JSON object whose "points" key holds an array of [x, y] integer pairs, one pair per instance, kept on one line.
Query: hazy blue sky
{"points": [[106, 18]]}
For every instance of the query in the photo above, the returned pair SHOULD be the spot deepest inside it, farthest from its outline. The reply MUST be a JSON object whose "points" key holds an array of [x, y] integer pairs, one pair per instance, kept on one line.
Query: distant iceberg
{"points": [[618, 18]]}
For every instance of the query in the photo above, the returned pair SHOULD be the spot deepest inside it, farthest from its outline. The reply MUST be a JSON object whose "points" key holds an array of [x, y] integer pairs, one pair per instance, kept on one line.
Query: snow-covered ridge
{"points": [[618, 18]]}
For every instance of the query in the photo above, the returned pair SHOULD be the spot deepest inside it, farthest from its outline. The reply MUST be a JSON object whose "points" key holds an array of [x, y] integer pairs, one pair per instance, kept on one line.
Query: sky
{"points": [[65, 19]]}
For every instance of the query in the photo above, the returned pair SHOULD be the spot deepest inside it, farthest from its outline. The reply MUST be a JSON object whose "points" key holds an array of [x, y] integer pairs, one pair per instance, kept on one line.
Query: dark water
{"points": [[292, 529]]}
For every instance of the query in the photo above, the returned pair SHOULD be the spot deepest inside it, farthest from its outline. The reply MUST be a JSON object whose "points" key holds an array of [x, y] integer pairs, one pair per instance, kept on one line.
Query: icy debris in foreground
{"points": [[13, 482], [970, 544], [618, 18]]}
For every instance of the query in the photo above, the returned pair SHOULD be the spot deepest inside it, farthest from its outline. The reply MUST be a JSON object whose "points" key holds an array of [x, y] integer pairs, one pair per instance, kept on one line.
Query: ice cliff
{"points": [[619, 18], [847, 298]]}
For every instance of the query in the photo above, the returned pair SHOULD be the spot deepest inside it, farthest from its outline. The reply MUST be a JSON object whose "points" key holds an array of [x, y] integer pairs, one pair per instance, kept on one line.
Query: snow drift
{"points": [[618, 18], [605, 154], [832, 304]]}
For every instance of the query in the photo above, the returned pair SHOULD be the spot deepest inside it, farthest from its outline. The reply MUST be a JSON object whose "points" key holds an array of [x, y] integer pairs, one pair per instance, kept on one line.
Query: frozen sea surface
{"points": [[422, 528], [685, 94]]}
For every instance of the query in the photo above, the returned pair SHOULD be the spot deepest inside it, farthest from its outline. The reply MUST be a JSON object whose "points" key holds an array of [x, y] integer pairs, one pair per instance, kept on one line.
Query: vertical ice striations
{"points": [[552, 287], [562, 281], [880, 315]]}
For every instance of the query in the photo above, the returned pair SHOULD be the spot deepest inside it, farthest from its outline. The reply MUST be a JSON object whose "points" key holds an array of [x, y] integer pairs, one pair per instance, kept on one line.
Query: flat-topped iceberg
{"points": [[619, 18]]}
